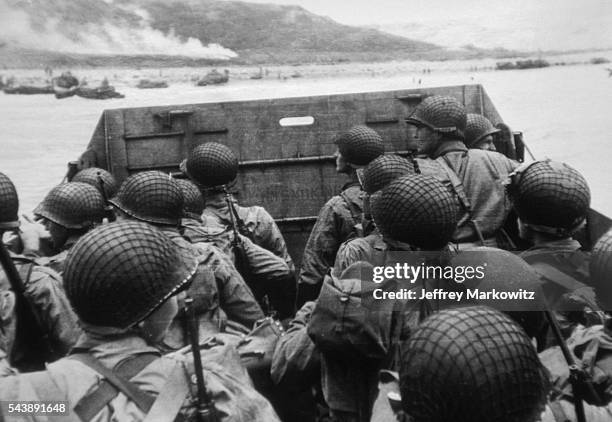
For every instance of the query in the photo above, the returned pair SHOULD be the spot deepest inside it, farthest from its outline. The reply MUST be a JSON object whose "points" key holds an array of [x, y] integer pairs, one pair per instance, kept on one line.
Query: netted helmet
{"points": [[194, 201], [504, 271], [359, 145], [416, 209], [601, 267], [477, 128], [550, 197], [9, 203], [72, 205], [445, 115], [92, 176], [119, 273], [383, 170], [151, 196], [471, 364], [211, 164]]}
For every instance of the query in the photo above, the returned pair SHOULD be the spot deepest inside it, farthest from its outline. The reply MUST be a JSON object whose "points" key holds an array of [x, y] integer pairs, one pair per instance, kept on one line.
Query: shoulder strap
{"points": [[171, 397], [114, 381], [556, 276], [457, 184], [460, 192]]}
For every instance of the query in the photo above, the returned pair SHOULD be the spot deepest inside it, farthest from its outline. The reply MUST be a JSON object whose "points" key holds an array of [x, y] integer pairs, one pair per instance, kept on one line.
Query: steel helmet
{"points": [[445, 115], [72, 205], [9, 203], [359, 145], [151, 196], [503, 270], [471, 364], [383, 170], [194, 201], [477, 128], [92, 176], [550, 197], [119, 273], [211, 164], [416, 209], [601, 268]]}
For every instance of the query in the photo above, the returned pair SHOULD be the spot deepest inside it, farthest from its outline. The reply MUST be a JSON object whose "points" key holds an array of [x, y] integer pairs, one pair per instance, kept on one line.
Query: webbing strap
{"points": [[114, 381], [556, 276], [171, 397]]}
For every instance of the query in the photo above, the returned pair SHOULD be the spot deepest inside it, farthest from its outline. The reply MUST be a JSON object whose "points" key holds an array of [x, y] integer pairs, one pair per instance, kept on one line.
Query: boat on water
{"points": [[28, 90], [214, 77], [98, 93], [282, 142], [150, 84]]}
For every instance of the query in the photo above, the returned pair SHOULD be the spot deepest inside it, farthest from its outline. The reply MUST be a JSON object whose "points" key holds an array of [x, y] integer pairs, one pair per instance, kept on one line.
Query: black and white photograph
{"points": [[305, 211]]}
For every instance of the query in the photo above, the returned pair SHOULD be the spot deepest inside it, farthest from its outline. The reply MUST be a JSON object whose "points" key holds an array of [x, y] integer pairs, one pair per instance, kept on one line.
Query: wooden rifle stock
{"points": [[206, 408]]}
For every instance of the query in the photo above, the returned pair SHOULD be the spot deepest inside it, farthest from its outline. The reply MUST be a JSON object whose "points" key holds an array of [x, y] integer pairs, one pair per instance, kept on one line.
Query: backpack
{"points": [[346, 322]]}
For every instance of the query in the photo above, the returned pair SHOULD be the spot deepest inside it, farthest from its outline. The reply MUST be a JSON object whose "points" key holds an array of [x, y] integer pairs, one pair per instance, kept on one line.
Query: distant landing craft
{"points": [[609, 72]]}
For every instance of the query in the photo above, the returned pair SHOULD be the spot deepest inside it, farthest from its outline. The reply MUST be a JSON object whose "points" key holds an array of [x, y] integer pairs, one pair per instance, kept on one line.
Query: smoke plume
{"points": [[19, 28]]}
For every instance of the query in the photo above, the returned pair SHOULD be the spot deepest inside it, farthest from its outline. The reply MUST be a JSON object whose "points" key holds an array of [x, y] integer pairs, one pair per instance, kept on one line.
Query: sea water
{"points": [[563, 111]]}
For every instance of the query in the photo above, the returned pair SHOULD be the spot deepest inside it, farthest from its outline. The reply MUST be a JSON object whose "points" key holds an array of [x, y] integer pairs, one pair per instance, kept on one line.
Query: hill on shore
{"points": [[194, 33]]}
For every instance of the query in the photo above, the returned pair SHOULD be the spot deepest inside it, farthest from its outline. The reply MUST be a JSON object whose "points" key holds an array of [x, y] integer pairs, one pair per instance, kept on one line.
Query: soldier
{"points": [[123, 280], [450, 370], [217, 288], [267, 274], [69, 211], [37, 323], [413, 213], [475, 176], [98, 178], [212, 167], [337, 219], [375, 176], [600, 269], [479, 132], [552, 200]]}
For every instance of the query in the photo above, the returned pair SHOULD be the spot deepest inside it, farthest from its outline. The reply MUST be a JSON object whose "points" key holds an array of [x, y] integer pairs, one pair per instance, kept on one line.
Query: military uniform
{"points": [[359, 249], [339, 217], [476, 177], [235, 297], [264, 272], [212, 166], [153, 198], [45, 327], [46, 298], [117, 276], [600, 269], [375, 176], [552, 201], [415, 211], [259, 224], [450, 369], [335, 224]]}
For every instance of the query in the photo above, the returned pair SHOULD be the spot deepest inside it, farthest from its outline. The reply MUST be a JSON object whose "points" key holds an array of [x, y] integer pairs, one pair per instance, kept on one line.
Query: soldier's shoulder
{"points": [[494, 156]]}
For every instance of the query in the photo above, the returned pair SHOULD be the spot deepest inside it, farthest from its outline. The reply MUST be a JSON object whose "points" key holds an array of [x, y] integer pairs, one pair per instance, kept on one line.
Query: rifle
{"points": [[108, 208], [206, 408], [242, 260], [579, 379]]}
